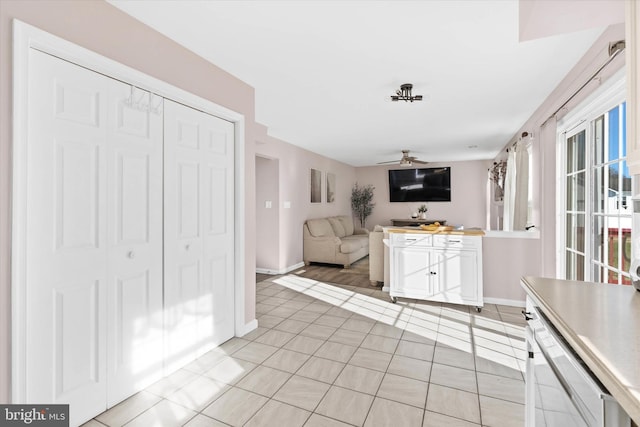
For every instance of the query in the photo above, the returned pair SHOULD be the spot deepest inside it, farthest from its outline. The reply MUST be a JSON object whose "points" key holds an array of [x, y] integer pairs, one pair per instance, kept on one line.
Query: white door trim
{"points": [[27, 37]]}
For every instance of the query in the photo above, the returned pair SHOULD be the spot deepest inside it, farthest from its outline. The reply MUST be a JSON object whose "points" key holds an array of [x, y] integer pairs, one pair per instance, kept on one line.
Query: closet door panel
{"points": [[135, 338], [132, 198], [66, 284], [219, 236], [183, 234], [188, 187], [198, 207], [76, 315], [76, 194]]}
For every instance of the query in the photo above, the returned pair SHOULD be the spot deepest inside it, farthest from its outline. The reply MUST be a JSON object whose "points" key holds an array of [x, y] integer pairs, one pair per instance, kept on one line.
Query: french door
{"points": [[597, 199]]}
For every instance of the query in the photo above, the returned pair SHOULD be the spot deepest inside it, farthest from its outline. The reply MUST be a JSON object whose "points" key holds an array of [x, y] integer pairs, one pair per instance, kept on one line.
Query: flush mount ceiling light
{"points": [[404, 94]]}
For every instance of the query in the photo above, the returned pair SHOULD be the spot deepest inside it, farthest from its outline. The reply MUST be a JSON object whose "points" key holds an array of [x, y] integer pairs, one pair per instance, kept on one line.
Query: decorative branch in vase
{"points": [[497, 174], [422, 212]]}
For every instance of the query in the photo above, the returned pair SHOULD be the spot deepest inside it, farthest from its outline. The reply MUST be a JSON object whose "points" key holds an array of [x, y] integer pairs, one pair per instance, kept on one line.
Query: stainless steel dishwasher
{"points": [[561, 391]]}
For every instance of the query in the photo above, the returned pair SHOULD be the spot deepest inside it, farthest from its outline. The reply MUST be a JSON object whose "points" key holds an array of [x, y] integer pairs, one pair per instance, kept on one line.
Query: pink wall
{"points": [[543, 171], [267, 219], [100, 27], [544, 18], [295, 164], [468, 195], [504, 261]]}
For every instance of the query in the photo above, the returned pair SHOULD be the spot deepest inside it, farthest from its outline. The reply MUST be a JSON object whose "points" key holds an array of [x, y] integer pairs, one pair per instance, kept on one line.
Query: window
{"points": [[596, 208]]}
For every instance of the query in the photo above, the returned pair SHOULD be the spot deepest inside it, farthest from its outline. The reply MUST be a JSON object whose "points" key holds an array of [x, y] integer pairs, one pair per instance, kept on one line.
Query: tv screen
{"points": [[420, 185]]}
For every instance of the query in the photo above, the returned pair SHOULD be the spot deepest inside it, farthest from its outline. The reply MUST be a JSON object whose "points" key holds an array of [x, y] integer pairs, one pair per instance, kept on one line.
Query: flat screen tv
{"points": [[420, 185]]}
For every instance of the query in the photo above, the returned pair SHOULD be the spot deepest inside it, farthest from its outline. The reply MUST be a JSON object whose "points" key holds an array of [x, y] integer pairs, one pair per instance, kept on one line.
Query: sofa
{"points": [[334, 240]]}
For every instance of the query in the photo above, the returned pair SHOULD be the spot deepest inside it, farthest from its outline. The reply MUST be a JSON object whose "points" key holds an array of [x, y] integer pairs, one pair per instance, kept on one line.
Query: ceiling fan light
{"points": [[404, 94], [407, 164]]}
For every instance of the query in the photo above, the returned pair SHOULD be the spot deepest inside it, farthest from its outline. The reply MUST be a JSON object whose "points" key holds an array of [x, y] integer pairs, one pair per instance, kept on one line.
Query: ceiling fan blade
{"points": [[384, 163]]}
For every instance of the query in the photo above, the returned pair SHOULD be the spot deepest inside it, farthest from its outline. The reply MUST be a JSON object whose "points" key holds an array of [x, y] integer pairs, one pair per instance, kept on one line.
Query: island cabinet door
{"points": [[411, 274], [456, 278]]}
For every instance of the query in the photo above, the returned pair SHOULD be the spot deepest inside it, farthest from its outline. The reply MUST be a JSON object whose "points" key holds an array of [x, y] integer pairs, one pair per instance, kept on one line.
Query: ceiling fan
{"points": [[406, 161]]}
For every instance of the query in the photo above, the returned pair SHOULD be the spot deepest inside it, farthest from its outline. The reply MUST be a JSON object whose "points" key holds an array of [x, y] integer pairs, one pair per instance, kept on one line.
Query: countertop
{"points": [[602, 324], [439, 230]]}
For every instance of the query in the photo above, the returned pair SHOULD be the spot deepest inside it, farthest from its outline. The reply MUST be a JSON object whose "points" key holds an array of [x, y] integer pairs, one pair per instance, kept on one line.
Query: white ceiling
{"points": [[323, 71]]}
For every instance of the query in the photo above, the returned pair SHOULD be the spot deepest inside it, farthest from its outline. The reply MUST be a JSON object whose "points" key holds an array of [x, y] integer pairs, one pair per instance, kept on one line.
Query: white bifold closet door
{"points": [[94, 239], [198, 232]]}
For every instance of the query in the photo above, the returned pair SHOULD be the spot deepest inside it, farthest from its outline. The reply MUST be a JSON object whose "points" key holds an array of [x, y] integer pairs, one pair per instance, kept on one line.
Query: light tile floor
{"points": [[329, 355]]}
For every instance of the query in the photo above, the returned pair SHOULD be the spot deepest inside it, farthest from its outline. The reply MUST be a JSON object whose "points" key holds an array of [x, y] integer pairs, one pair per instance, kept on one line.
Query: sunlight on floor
{"points": [[452, 325]]}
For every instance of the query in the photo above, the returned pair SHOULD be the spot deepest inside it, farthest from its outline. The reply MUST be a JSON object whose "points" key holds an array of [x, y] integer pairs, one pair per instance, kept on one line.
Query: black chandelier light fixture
{"points": [[404, 94]]}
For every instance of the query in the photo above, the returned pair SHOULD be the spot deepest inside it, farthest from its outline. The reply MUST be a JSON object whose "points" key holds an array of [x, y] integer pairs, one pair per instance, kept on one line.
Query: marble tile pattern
{"points": [[332, 355]]}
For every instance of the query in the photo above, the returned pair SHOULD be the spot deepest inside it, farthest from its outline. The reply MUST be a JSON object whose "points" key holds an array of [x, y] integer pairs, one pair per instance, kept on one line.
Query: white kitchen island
{"points": [[442, 265]]}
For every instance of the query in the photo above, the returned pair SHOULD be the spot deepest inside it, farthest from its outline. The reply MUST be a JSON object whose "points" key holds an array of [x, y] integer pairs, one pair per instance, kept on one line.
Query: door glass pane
{"points": [[575, 266], [625, 254], [626, 188], [598, 145], [614, 134], [575, 152], [623, 113], [599, 234], [575, 232], [612, 193], [599, 193], [570, 265], [611, 235], [599, 273], [576, 192]]}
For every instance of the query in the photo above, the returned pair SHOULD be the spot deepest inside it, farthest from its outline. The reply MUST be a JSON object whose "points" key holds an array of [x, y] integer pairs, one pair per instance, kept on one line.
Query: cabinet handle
{"points": [[527, 315], [453, 241], [433, 273], [131, 255], [187, 247]]}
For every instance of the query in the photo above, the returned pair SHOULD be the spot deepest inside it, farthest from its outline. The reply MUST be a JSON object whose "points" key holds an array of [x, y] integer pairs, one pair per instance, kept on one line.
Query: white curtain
{"points": [[516, 189]]}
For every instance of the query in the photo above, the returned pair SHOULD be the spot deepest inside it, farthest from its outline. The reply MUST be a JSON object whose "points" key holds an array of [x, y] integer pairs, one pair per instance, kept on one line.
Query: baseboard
{"points": [[267, 271], [248, 327], [281, 271], [502, 301]]}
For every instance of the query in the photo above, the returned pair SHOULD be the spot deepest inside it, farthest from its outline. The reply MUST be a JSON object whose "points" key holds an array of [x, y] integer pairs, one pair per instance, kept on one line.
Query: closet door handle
{"points": [[131, 255], [187, 247]]}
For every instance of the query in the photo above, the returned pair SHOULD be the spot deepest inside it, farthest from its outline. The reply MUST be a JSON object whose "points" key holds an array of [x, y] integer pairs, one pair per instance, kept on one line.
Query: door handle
{"points": [[527, 315], [131, 255]]}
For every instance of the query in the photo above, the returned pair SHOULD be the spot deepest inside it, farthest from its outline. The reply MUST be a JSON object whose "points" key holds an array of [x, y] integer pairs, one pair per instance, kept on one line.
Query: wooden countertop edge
{"points": [[622, 393], [455, 232]]}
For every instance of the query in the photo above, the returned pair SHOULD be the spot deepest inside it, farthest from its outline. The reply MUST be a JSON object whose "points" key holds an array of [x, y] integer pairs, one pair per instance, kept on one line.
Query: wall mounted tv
{"points": [[420, 185]]}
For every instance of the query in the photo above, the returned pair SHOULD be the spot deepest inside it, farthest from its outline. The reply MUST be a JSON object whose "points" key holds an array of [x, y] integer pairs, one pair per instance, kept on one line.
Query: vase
{"points": [[423, 215]]}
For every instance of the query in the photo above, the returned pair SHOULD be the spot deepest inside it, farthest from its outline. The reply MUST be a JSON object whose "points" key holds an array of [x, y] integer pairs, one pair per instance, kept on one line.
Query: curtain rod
{"points": [[614, 49]]}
